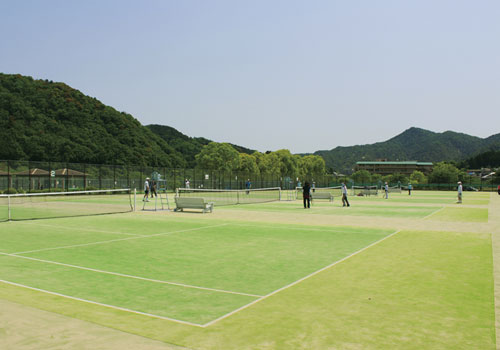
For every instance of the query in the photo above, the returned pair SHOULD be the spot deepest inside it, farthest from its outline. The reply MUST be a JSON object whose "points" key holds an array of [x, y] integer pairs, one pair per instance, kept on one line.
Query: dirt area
{"points": [[26, 328]]}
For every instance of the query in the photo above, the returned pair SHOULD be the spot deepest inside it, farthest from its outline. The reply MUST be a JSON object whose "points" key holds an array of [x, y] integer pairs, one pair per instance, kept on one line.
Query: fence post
{"points": [[50, 180], [29, 176]]}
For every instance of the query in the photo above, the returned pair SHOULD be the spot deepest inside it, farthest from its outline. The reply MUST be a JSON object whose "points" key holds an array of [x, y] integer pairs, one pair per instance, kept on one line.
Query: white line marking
{"points": [[434, 212], [118, 239], [129, 276], [298, 281], [82, 229], [306, 228], [101, 304]]}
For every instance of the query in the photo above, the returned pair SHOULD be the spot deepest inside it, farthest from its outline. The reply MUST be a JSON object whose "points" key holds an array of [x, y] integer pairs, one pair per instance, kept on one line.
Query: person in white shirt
{"points": [[146, 190], [459, 192], [344, 196], [386, 189]]}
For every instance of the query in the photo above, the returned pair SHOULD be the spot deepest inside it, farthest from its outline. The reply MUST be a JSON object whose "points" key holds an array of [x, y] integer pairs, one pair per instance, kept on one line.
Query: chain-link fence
{"points": [[28, 176], [31, 176]]}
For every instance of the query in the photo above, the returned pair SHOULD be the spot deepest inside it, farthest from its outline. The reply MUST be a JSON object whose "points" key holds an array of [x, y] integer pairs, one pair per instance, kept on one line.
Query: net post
{"points": [[135, 195], [8, 205]]}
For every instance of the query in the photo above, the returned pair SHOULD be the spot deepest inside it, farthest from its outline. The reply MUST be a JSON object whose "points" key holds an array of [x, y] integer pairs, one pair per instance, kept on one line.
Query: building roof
{"points": [[69, 172], [33, 172], [42, 172], [394, 163]]}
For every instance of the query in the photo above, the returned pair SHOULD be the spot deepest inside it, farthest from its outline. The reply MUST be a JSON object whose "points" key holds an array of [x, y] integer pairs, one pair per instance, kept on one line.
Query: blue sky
{"points": [[301, 75]]}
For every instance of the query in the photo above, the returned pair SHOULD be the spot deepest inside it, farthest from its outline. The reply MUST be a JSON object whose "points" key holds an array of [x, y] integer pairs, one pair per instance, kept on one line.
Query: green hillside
{"points": [[189, 147], [412, 144], [45, 121]]}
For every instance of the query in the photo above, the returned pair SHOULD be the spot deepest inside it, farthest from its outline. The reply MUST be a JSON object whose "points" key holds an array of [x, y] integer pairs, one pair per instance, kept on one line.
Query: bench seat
{"points": [[322, 195], [182, 203]]}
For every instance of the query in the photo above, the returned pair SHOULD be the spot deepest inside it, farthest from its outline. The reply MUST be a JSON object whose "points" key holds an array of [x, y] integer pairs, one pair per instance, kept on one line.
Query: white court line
{"points": [[101, 304], [298, 281], [118, 239], [82, 229], [306, 228], [129, 276], [434, 212]]}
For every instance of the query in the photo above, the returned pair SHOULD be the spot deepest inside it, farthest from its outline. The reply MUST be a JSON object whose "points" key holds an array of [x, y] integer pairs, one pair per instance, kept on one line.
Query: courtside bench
{"points": [[182, 203], [322, 195]]}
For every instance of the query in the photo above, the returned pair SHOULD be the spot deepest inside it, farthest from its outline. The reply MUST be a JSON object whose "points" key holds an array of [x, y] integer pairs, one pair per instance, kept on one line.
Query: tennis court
{"points": [[204, 270], [405, 273]]}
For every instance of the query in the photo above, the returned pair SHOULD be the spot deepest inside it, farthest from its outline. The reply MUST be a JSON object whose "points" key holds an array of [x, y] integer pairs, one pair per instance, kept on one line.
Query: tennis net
{"points": [[335, 191], [64, 204], [395, 189], [364, 191], [230, 197]]}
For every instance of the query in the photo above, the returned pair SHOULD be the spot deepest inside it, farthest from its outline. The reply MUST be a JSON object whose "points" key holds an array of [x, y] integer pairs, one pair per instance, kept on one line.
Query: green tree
{"points": [[310, 166], [362, 177], [248, 163], [444, 173], [399, 178], [218, 156], [289, 163], [268, 163], [418, 177], [376, 178]]}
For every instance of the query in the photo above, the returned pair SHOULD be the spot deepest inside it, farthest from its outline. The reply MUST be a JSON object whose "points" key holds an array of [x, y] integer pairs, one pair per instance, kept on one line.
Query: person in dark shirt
{"points": [[306, 194]]}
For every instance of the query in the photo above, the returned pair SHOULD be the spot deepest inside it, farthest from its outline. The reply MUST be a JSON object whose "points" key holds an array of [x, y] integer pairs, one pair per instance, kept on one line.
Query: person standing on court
{"points": [[410, 187], [146, 190], [152, 189], [306, 194], [386, 189], [459, 192], [248, 184], [344, 195]]}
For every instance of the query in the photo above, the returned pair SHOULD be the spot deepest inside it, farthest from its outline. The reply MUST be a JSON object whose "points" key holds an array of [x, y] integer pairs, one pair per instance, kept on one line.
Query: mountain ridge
{"points": [[412, 144]]}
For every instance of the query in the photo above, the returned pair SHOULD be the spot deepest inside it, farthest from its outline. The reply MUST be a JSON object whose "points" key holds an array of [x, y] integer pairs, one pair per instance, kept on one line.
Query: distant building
{"points": [[389, 167]]}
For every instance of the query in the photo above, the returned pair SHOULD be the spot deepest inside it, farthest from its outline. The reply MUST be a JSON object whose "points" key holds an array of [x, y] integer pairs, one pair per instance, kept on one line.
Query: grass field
{"points": [[410, 272]]}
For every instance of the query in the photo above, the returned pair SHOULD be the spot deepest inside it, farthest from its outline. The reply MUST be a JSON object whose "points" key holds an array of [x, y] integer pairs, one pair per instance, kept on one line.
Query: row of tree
{"points": [[223, 156], [442, 173]]}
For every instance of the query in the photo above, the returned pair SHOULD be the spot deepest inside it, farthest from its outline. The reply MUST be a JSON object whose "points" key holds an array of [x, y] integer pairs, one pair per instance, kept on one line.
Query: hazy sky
{"points": [[302, 75]]}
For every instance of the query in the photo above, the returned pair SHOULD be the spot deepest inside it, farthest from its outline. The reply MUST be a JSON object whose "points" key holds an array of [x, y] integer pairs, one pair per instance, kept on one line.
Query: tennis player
{"points": [[146, 190], [344, 195], [459, 192], [306, 194]]}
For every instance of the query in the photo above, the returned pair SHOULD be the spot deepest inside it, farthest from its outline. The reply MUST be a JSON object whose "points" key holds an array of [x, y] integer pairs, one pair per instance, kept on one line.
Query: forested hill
{"points": [[41, 120], [412, 144], [189, 147]]}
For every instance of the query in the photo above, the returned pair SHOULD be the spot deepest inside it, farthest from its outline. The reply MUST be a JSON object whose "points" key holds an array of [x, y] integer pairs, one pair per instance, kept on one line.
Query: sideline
{"points": [[299, 280], [494, 223]]}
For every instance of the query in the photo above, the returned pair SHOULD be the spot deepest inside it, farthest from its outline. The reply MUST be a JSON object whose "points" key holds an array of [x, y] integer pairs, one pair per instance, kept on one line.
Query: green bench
{"points": [[182, 203]]}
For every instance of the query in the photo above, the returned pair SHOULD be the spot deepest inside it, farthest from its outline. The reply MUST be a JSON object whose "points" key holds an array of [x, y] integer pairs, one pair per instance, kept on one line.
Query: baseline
{"points": [[101, 304]]}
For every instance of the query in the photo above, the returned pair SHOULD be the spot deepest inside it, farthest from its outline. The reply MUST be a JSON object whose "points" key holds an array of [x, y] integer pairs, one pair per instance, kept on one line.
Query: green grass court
{"points": [[402, 273]]}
